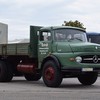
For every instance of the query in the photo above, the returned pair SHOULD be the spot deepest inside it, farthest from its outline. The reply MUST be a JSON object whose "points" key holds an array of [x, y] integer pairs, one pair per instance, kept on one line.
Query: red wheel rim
{"points": [[49, 74]]}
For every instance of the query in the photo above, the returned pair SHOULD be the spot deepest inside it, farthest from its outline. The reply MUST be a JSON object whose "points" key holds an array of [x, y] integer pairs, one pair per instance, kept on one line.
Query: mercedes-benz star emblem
{"points": [[95, 58]]}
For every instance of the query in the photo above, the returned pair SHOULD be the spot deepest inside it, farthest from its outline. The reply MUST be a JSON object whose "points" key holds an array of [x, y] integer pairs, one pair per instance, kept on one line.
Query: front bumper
{"points": [[79, 70]]}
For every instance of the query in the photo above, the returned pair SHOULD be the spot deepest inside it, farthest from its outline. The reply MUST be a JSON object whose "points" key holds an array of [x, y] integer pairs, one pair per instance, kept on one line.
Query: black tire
{"points": [[32, 77], [88, 78], [3, 71], [52, 76], [9, 72], [6, 73]]}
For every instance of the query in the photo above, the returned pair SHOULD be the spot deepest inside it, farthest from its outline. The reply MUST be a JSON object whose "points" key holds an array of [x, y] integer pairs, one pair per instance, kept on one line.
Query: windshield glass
{"points": [[70, 35]]}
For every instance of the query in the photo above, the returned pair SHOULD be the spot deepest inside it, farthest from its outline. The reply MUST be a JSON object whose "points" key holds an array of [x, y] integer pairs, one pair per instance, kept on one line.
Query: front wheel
{"points": [[88, 78], [52, 76]]}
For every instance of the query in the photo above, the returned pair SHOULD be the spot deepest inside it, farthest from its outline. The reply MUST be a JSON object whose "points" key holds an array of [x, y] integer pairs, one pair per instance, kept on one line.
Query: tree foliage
{"points": [[75, 23]]}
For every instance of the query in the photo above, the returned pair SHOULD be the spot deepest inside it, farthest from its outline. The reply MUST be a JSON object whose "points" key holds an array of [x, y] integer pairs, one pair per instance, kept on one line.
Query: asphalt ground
{"points": [[70, 89]]}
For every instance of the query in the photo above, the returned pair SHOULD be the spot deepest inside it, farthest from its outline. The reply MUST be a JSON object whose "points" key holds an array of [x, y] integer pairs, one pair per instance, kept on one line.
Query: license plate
{"points": [[87, 69]]}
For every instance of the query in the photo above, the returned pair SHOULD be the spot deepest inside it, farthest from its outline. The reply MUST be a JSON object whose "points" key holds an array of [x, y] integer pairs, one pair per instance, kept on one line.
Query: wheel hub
{"points": [[49, 73]]}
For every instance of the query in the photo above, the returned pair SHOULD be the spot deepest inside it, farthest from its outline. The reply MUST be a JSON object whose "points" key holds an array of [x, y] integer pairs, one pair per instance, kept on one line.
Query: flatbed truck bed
{"points": [[14, 49]]}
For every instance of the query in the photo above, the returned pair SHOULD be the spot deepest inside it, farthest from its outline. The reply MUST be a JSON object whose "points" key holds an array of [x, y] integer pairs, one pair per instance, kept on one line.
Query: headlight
{"points": [[78, 59]]}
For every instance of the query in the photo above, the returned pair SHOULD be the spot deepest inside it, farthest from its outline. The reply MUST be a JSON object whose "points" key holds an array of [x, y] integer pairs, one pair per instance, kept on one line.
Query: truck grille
{"points": [[91, 59]]}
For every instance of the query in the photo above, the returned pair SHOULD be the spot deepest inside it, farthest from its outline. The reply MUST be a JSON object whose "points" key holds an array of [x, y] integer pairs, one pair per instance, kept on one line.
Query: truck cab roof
{"points": [[61, 27]]}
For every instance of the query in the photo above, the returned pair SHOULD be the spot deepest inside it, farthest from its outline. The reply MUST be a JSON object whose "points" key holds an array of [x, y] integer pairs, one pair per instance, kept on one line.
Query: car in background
{"points": [[93, 37]]}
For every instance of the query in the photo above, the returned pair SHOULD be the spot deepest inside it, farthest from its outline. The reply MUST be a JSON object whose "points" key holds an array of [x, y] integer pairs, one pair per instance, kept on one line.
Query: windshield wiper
{"points": [[79, 39]]}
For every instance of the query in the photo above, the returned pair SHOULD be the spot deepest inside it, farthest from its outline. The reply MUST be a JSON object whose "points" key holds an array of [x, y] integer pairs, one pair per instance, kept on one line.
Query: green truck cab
{"points": [[53, 53]]}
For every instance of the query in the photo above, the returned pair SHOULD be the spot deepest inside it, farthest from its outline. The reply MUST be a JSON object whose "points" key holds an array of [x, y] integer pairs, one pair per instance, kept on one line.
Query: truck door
{"points": [[44, 45]]}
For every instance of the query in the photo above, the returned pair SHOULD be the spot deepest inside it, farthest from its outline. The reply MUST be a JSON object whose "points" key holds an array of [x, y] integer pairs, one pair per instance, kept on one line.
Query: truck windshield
{"points": [[70, 35]]}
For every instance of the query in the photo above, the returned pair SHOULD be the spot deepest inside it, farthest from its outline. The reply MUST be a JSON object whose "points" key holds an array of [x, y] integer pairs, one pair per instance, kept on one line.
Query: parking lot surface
{"points": [[70, 89]]}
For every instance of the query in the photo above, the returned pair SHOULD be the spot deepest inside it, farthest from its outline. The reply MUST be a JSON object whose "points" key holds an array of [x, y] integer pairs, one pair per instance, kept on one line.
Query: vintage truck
{"points": [[53, 53]]}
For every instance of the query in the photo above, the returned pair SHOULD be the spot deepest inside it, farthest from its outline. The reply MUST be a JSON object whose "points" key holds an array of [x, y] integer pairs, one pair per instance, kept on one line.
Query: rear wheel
{"points": [[88, 78], [6, 73], [32, 77], [9, 72], [3, 71], [52, 76]]}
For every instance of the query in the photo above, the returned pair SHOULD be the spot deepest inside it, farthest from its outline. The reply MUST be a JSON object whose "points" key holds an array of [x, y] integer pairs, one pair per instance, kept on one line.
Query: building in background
{"points": [[3, 33]]}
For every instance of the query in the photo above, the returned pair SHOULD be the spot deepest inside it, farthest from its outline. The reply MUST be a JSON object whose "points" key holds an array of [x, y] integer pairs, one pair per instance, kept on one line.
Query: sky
{"points": [[20, 14]]}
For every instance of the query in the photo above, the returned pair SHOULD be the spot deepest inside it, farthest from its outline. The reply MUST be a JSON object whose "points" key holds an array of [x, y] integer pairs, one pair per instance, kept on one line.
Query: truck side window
{"points": [[45, 36]]}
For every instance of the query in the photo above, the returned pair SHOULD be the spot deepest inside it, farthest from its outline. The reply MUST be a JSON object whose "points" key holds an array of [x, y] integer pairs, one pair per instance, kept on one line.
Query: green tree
{"points": [[75, 23]]}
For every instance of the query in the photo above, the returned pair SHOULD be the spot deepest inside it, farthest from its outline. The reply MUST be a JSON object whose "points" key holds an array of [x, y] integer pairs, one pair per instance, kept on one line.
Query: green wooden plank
{"points": [[22, 49], [0, 49], [11, 49]]}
